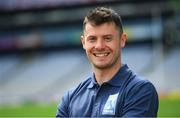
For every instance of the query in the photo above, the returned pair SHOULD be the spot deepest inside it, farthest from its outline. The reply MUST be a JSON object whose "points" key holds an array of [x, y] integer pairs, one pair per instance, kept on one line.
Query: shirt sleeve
{"points": [[62, 110], [141, 101]]}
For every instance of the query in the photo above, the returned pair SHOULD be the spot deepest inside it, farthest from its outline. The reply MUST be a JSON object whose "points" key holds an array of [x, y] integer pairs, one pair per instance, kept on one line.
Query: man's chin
{"points": [[101, 66]]}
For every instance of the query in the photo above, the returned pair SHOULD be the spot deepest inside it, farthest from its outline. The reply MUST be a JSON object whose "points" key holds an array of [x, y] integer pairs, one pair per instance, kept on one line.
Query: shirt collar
{"points": [[118, 78], [93, 81]]}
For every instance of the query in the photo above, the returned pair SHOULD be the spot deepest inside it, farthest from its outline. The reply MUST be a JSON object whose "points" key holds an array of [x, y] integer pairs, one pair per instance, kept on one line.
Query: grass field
{"points": [[167, 108]]}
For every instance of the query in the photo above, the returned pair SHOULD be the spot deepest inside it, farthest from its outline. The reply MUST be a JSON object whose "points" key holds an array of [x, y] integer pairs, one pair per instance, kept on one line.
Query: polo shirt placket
{"points": [[101, 96], [95, 110]]}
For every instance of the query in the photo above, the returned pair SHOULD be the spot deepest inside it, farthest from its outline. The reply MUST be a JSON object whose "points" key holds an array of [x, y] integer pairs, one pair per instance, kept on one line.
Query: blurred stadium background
{"points": [[41, 56]]}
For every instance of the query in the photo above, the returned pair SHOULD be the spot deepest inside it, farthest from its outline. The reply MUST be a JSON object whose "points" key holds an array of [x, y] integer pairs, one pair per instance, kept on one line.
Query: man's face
{"points": [[103, 45]]}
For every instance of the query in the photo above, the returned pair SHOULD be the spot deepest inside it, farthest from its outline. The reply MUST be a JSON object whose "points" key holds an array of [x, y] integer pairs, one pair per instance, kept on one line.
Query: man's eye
{"points": [[108, 39], [92, 39]]}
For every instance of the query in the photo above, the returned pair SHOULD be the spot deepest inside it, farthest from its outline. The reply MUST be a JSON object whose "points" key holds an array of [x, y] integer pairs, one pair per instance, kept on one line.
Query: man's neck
{"points": [[104, 75]]}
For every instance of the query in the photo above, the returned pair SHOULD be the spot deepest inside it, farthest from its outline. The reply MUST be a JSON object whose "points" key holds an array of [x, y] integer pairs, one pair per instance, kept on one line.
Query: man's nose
{"points": [[100, 45]]}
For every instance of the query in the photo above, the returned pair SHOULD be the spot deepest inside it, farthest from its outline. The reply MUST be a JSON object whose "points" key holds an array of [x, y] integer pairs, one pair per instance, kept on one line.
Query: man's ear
{"points": [[123, 39], [83, 41]]}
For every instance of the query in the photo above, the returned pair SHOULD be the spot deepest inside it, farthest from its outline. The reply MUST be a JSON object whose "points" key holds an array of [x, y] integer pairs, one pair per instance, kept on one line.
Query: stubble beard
{"points": [[109, 65]]}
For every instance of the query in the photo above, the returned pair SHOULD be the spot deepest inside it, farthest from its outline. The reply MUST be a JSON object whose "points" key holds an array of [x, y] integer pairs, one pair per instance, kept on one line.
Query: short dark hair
{"points": [[101, 15]]}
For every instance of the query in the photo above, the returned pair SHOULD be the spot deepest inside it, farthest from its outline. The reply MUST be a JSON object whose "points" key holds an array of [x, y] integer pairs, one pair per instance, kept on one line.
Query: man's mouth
{"points": [[101, 54]]}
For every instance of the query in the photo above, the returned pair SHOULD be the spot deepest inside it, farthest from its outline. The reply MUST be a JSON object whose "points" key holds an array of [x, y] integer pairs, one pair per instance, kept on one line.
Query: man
{"points": [[113, 90]]}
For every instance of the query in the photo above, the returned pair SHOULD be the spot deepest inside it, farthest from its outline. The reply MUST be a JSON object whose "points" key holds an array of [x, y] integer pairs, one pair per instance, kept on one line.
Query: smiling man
{"points": [[113, 90]]}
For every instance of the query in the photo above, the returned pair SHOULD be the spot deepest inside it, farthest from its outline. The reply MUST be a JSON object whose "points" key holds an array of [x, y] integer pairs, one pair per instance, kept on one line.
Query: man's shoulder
{"points": [[81, 86], [139, 80], [139, 83]]}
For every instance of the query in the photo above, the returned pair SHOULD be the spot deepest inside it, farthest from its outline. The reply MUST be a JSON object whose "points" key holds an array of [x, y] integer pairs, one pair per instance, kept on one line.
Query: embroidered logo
{"points": [[110, 105]]}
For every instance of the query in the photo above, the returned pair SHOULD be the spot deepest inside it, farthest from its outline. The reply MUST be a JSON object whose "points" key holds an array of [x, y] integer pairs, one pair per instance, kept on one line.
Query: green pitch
{"points": [[167, 107], [28, 110]]}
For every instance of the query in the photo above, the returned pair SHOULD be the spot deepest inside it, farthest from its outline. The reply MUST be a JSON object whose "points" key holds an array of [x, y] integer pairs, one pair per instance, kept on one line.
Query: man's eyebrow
{"points": [[108, 35], [90, 36]]}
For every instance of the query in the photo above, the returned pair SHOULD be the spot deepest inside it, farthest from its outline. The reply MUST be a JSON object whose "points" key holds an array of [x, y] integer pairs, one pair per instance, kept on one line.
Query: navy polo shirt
{"points": [[125, 95]]}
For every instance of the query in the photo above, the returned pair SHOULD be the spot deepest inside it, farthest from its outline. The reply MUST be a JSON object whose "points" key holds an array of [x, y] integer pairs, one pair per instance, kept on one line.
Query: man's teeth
{"points": [[101, 54]]}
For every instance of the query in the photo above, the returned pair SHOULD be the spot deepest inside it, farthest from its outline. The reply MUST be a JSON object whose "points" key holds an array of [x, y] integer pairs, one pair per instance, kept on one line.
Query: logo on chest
{"points": [[110, 105]]}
